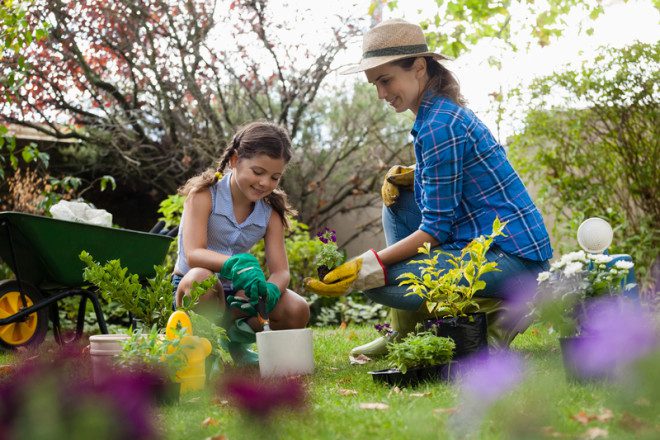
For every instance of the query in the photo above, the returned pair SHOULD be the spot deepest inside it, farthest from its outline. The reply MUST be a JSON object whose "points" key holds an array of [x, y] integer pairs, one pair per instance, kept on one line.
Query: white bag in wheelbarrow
{"points": [[81, 213]]}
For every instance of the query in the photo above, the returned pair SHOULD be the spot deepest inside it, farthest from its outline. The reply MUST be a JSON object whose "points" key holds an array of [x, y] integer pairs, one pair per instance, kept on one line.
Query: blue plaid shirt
{"points": [[463, 180]]}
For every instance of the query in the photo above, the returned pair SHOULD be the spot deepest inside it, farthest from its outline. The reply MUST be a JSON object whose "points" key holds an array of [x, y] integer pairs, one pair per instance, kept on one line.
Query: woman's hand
{"points": [[361, 273]]}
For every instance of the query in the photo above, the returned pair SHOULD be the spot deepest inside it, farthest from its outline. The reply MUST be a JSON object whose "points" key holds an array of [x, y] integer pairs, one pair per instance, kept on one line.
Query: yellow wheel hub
{"points": [[18, 332]]}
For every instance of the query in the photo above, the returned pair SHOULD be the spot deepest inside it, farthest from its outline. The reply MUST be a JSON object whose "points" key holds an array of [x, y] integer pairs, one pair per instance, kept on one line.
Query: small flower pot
{"points": [[322, 271], [470, 333], [577, 366], [414, 376]]}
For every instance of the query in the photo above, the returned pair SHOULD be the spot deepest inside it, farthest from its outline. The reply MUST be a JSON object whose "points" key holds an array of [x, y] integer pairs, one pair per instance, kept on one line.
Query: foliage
{"points": [[354, 308], [203, 327], [572, 282], [329, 256], [450, 293], [458, 25], [301, 250], [590, 144], [172, 210], [153, 350], [150, 304], [17, 33], [420, 350]]}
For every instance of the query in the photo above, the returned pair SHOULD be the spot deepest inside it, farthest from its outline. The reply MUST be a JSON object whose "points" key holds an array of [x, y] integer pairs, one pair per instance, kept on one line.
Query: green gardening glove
{"points": [[266, 289], [242, 270], [242, 304]]}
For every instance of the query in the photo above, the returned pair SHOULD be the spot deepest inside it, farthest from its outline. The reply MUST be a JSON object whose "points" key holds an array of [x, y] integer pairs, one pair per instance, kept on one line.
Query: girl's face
{"points": [[256, 177], [401, 88]]}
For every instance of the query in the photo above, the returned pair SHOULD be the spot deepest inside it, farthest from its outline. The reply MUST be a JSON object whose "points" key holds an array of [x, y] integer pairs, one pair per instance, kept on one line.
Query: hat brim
{"points": [[370, 63]]}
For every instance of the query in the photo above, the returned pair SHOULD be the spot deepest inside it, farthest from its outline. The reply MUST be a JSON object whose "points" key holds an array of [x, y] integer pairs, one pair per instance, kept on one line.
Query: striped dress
{"points": [[225, 235]]}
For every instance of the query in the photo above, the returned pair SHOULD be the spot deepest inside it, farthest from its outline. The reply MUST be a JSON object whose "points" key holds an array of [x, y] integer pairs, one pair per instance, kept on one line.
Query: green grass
{"points": [[545, 405], [541, 407]]}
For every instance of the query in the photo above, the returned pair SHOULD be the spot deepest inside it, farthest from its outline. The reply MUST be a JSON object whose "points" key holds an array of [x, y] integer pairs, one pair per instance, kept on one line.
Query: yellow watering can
{"points": [[192, 376]]}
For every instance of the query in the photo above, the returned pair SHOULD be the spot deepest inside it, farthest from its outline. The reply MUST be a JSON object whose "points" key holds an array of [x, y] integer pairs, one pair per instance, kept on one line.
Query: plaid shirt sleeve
{"points": [[439, 146]]}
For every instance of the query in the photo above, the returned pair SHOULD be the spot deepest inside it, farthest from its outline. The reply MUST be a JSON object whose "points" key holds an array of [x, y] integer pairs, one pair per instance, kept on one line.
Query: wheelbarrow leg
{"points": [[97, 310], [54, 311]]}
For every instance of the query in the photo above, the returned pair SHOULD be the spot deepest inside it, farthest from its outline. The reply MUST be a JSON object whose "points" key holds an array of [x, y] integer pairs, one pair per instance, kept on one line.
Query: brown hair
{"points": [[441, 80], [251, 140]]}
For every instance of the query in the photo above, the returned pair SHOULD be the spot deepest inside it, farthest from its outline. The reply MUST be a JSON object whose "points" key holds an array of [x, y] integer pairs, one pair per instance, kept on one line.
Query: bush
{"points": [[590, 143]]}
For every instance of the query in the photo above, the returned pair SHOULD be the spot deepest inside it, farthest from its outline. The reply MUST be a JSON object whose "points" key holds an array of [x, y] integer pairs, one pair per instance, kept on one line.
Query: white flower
{"points": [[601, 258], [625, 265], [573, 256], [573, 268], [543, 276]]}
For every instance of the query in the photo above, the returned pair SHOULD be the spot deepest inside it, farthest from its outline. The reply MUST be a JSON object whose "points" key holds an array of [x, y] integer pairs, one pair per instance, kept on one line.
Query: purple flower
{"points": [[616, 332], [327, 235], [62, 379], [487, 377], [483, 379], [260, 398]]}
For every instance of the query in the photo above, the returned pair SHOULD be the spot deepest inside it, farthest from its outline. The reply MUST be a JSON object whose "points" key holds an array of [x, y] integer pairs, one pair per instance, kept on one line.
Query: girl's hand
{"points": [[242, 304]]}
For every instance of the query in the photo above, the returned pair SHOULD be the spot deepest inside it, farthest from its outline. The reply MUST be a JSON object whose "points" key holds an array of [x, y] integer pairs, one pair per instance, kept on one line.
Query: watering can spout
{"points": [[192, 376], [595, 235]]}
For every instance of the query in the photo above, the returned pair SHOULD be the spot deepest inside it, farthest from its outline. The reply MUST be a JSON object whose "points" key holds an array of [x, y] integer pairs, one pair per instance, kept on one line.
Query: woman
{"points": [[462, 181]]}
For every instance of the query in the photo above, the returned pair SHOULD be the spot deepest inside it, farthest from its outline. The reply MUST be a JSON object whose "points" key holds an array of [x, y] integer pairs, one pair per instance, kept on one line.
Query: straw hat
{"points": [[392, 40]]}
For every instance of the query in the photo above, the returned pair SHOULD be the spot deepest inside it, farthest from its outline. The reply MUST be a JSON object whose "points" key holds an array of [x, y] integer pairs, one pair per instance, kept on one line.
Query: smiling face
{"points": [[256, 177], [401, 88]]}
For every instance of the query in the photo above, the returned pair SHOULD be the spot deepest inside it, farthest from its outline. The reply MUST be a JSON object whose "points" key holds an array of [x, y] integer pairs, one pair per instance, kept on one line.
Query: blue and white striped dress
{"points": [[225, 234]]}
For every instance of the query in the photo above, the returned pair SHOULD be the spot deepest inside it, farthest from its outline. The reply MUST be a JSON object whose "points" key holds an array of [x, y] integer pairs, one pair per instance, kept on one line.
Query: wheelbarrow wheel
{"points": [[32, 330]]}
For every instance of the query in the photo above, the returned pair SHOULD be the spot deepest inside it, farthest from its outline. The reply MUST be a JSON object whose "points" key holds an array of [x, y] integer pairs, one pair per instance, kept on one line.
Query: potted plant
{"points": [[149, 304], [566, 293], [329, 256], [449, 293], [419, 357], [155, 353]]}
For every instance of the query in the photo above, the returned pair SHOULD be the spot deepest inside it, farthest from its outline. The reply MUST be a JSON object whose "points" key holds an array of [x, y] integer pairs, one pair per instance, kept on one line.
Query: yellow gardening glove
{"points": [[397, 176], [361, 273]]}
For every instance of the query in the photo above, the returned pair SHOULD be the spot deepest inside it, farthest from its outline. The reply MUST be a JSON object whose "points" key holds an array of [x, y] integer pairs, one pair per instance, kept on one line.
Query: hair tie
{"points": [[218, 175]]}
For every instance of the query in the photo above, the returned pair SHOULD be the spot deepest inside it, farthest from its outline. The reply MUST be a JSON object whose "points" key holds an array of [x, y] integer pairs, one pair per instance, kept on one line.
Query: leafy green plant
{"points": [[151, 303], [153, 350], [329, 255], [450, 292], [172, 210], [420, 350]]}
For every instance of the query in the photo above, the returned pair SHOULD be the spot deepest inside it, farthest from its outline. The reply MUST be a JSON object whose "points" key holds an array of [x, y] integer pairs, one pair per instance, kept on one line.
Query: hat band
{"points": [[400, 50]]}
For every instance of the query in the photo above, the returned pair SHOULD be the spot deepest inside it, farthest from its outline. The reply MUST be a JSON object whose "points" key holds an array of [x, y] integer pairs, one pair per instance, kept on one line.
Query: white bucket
{"points": [[285, 352], [102, 349]]}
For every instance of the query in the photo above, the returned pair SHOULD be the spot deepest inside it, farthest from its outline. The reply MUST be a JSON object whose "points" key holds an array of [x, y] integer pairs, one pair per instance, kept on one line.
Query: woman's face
{"points": [[256, 177], [401, 88]]}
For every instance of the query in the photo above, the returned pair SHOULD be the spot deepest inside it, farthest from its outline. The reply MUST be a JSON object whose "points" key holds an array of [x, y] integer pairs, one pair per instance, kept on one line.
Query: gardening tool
{"points": [[192, 376], [44, 255], [263, 312]]}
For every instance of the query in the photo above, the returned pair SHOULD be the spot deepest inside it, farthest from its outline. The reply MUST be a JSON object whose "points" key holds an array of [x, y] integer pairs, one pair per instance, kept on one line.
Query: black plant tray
{"points": [[414, 376]]}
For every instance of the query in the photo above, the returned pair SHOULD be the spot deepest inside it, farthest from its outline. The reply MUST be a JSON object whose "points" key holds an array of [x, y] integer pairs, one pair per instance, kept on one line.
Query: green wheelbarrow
{"points": [[43, 254]]}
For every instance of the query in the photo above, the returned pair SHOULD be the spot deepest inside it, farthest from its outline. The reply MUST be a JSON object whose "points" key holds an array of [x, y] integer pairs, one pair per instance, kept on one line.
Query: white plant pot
{"points": [[285, 352], [103, 348]]}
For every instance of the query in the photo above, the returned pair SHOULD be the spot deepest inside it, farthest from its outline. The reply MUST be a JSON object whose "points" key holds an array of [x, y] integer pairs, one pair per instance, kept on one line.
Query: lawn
{"points": [[545, 405]]}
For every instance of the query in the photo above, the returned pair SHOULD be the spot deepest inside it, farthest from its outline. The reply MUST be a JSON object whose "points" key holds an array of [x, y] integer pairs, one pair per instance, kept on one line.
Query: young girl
{"points": [[223, 217], [462, 180]]}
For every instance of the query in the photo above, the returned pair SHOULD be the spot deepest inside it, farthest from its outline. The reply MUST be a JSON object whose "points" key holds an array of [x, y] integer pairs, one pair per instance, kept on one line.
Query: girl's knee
{"points": [[196, 274], [291, 312]]}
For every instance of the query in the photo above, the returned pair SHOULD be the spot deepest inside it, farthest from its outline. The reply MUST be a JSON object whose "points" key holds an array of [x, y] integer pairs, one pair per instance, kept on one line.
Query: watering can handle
{"points": [[178, 317]]}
